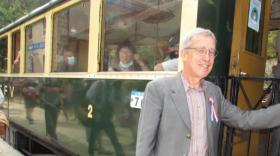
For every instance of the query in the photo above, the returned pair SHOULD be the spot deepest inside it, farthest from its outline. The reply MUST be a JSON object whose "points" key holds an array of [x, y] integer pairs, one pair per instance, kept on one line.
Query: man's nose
{"points": [[207, 56]]}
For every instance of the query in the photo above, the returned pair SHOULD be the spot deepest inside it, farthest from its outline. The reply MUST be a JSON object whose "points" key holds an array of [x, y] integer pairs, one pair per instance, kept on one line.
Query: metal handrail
{"points": [[236, 85]]}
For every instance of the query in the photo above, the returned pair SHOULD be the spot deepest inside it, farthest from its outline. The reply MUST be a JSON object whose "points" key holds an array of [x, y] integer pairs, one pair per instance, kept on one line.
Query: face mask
{"points": [[173, 54], [126, 65], [71, 60]]}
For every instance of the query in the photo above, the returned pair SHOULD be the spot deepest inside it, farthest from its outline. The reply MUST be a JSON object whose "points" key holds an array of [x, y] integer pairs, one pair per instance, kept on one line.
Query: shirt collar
{"points": [[187, 87]]}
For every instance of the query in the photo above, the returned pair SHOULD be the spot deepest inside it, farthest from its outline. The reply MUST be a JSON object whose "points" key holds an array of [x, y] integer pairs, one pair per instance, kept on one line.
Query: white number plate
{"points": [[136, 99]]}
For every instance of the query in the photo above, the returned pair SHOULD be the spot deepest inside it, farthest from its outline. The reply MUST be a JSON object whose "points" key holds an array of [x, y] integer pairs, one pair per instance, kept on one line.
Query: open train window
{"points": [[3, 54], [15, 51], [140, 34], [35, 47], [70, 39]]}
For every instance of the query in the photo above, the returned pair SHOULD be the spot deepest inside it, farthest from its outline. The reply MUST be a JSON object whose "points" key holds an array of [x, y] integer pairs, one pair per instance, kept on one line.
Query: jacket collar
{"points": [[179, 98]]}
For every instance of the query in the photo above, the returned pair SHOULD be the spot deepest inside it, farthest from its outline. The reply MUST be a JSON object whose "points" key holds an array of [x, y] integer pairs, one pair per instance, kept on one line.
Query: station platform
{"points": [[7, 150]]}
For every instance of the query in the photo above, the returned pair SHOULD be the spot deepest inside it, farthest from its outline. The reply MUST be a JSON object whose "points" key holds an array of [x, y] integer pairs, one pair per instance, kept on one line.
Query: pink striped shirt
{"points": [[197, 109]]}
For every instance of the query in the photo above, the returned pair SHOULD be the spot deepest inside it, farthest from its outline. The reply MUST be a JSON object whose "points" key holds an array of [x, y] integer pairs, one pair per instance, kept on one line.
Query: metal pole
{"points": [[233, 98], [224, 87]]}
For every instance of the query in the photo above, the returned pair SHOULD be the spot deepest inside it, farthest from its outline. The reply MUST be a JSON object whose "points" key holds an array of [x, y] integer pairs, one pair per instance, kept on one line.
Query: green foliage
{"points": [[10, 10], [271, 44]]}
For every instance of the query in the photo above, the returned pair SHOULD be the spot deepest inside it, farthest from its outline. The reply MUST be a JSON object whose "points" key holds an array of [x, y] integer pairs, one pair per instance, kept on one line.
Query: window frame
{"points": [[10, 59], [7, 36], [188, 22], [53, 13], [189, 15]]}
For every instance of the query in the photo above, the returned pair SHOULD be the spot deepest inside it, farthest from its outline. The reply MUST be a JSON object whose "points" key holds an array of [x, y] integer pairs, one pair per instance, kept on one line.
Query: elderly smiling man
{"points": [[181, 115]]}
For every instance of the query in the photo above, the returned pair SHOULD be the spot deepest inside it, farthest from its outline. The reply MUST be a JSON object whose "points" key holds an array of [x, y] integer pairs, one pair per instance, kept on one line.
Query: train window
{"points": [[70, 39], [15, 51], [35, 47], [3, 54], [140, 34]]}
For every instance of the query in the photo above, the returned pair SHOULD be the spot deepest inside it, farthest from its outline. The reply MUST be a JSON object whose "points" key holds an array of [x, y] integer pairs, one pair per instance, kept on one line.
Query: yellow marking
{"points": [[90, 111], [5, 89], [12, 88]]}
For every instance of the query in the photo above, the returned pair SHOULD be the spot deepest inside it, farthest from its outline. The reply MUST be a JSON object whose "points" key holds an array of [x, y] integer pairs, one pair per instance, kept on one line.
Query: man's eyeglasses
{"points": [[203, 51]]}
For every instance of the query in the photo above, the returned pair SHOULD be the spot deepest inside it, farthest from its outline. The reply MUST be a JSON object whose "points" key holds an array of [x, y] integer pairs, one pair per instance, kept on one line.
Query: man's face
{"points": [[255, 17], [174, 48], [196, 64]]}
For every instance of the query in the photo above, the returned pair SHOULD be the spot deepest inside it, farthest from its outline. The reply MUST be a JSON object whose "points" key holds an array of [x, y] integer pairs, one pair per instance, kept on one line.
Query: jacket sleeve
{"points": [[149, 121], [252, 119]]}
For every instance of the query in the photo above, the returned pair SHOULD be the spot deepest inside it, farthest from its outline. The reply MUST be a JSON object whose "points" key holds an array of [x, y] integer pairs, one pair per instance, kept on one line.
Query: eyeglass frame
{"points": [[204, 52]]}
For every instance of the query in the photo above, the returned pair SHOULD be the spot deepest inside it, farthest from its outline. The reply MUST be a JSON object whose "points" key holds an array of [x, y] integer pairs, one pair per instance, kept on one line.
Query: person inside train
{"points": [[127, 59], [17, 58], [181, 115], [169, 65], [170, 62], [69, 63]]}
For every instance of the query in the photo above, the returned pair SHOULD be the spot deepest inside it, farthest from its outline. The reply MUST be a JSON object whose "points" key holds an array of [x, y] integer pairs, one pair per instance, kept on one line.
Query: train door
{"points": [[248, 59]]}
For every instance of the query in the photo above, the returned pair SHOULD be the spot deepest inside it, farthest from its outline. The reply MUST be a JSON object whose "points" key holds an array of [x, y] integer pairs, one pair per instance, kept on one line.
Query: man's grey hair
{"points": [[195, 32]]}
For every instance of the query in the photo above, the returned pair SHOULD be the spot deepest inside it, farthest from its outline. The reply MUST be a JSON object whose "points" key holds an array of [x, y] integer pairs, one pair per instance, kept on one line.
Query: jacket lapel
{"points": [[208, 118], [208, 110], [179, 99]]}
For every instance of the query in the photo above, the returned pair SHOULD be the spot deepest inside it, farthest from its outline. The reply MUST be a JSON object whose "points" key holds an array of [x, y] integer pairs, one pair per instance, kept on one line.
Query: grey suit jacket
{"points": [[165, 127]]}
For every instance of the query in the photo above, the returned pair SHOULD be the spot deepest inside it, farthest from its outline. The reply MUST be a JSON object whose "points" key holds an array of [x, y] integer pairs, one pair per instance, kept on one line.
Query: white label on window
{"points": [[136, 99]]}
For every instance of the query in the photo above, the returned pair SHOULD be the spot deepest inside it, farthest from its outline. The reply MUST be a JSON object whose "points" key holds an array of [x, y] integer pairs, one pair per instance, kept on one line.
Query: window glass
{"points": [[3, 54], [35, 47], [255, 27], [140, 34], [15, 52], [218, 16], [70, 39]]}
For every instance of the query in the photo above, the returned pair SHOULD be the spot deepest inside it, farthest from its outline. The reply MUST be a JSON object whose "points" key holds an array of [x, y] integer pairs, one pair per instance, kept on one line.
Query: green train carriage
{"points": [[68, 93]]}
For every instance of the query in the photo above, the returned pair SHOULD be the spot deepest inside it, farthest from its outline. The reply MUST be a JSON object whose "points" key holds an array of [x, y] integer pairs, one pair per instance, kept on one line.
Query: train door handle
{"points": [[243, 74]]}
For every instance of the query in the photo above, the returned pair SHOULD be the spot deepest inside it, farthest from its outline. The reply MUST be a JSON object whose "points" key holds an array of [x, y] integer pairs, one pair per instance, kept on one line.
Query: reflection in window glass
{"points": [[35, 47], [15, 52], [218, 16], [140, 34], [70, 39], [3, 54]]}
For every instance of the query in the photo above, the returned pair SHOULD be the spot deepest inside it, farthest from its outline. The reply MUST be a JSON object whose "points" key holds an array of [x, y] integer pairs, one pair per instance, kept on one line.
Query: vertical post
{"points": [[233, 98], [224, 85]]}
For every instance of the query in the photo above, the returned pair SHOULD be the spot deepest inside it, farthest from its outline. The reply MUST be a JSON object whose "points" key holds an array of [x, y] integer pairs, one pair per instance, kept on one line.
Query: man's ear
{"points": [[183, 54]]}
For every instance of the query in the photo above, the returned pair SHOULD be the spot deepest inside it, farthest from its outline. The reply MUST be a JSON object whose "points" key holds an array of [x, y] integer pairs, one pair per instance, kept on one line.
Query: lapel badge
{"points": [[214, 115]]}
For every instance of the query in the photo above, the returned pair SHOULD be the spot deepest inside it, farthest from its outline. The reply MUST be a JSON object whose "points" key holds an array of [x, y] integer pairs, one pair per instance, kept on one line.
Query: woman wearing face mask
{"points": [[69, 63], [127, 59]]}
